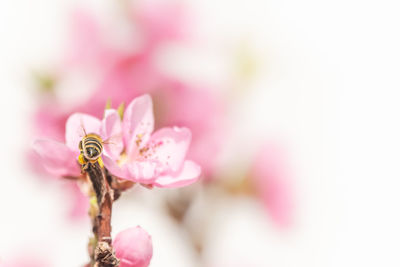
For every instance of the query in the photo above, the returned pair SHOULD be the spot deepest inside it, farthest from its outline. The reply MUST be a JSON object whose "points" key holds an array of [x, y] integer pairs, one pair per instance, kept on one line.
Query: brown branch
{"points": [[103, 219], [103, 253], [118, 186], [96, 176]]}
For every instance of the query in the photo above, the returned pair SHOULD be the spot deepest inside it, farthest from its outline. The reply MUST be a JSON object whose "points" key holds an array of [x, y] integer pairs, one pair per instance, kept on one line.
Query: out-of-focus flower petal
{"points": [[169, 146], [50, 122], [133, 247], [189, 174], [79, 204], [77, 125], [35, 164], [111, 131], [86, 45], [138, 123], [272, 181], [25, 261], [162, 21], [182, 104], [57, 158]]}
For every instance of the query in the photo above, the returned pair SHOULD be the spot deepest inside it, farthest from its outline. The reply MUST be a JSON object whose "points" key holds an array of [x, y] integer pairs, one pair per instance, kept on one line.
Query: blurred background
{"points": [[293, 107]]}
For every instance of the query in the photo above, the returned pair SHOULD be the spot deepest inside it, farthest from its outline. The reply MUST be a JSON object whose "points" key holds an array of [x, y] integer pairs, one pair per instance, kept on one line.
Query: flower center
{"points": [[123, 158], [149, 151]]}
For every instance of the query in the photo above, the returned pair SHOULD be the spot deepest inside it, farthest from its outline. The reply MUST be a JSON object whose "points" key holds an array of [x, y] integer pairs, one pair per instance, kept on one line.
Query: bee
{"points": [[91, 148]]}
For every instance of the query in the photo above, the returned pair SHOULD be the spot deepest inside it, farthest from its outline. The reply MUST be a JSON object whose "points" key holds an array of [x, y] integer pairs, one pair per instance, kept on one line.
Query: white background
{"points": [[329, 83]]}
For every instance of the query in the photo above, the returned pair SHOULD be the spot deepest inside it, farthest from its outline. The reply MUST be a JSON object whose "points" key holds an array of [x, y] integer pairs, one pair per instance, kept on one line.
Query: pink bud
{"points": [[133, 247]]}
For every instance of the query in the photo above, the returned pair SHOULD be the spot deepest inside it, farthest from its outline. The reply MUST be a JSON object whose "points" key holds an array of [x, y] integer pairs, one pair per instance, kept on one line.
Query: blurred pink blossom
{"points": [[133, 247], [150, 158], [86, 45], [79, 202], [50, 121], [25, 261], [162, 21], [273, 183], [199, 109]]}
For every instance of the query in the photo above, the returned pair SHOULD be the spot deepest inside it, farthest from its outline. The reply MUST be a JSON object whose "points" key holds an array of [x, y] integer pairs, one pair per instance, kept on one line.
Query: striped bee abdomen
{"points": [[92, 146]]}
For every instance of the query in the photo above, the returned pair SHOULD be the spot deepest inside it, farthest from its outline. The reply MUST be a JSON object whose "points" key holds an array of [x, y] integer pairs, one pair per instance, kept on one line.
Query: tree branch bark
{"points": [[103, 253]]}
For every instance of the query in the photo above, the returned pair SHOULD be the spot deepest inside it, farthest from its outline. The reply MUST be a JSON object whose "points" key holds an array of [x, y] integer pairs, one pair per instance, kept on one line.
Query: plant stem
{"points": [[103, 255]]}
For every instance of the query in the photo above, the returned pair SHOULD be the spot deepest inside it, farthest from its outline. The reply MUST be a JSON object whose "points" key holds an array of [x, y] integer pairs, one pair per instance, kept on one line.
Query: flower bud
{"points": [[133, 247]]}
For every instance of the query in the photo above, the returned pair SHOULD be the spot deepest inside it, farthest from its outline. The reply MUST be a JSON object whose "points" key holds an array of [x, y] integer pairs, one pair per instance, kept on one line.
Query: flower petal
{"points": [[57, 158], [189, 174], [77, 125], [115, 169], [138, 123], [79, 202], [169, 146], [144, 172], [111, 131]]}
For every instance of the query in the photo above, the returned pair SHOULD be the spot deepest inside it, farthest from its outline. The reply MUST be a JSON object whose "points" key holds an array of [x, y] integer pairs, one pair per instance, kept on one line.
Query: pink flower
{"points": [[133, 247], [131, 151], [151, 158], [270, 175]]}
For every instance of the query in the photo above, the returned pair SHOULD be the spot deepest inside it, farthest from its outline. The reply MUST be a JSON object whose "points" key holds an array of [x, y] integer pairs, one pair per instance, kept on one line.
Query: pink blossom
{"points": [[176, 103], [273, 183], [133, 152], [133, 247], [151, 158]]}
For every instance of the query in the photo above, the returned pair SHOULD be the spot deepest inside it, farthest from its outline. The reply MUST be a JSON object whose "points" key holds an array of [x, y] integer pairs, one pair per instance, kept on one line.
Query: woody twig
{"points": [[103, 254]]}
